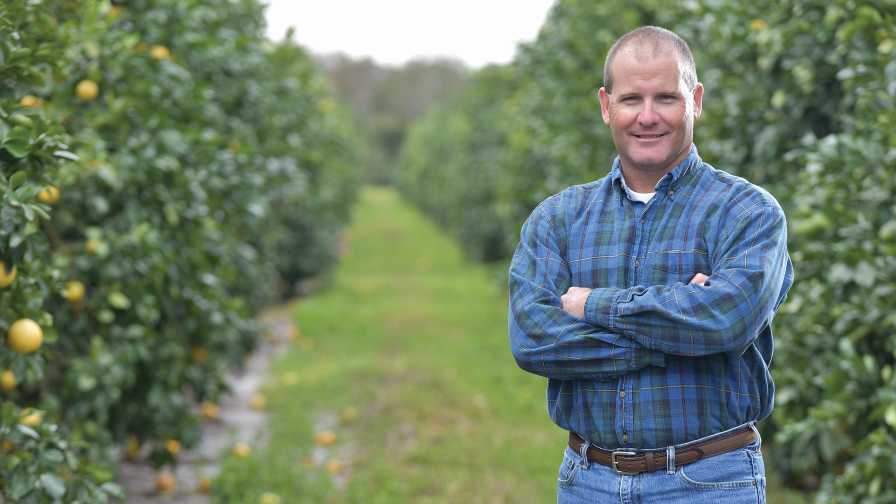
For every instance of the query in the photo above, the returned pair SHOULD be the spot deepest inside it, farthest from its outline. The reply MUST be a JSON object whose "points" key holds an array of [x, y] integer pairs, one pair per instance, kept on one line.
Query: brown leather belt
{"points": [[630, 462]]}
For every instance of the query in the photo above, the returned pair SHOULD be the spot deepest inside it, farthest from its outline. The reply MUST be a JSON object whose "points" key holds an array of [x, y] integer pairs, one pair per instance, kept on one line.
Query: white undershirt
{"points": [[643, 197]]}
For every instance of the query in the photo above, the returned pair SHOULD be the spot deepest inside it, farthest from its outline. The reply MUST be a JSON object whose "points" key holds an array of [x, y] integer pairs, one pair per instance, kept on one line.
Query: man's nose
{"points": [[648, 115]]}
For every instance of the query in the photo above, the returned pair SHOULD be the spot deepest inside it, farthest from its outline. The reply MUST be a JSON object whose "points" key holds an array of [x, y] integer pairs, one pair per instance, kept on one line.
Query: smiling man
{"points": [[646, 298]]}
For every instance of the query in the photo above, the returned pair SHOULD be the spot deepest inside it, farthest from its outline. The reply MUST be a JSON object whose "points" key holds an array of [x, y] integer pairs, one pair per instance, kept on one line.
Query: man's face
{"points": [[650, 112]]}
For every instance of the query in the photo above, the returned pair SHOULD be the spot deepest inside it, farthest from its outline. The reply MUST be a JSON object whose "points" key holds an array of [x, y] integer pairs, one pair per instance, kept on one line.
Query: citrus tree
{"points": [[156, 159]]}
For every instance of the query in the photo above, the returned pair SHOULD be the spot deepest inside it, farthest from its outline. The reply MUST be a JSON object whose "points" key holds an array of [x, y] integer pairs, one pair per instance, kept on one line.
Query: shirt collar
{"points": [[676, 174]]}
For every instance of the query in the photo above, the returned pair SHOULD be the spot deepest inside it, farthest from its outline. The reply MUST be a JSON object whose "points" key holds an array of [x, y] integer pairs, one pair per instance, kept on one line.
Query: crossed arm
{"points": [[562, 331]]}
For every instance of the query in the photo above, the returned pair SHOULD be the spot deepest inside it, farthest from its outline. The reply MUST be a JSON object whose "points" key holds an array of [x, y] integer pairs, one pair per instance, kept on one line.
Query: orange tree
{"points": [[197, 144]]}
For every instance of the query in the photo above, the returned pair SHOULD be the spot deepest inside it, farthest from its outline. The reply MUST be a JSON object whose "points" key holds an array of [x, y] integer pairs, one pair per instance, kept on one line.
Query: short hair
{"points": [[659, 38]]}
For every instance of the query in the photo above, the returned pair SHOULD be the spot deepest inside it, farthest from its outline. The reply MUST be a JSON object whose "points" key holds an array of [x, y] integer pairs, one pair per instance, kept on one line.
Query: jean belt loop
{"points": [[758, 435], [583, 452], [670, 459]]}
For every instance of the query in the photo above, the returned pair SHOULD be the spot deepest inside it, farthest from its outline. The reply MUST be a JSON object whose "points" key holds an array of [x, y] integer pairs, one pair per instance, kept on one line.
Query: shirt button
{"points": [[637, 263], [625, 438], [622, 393]]}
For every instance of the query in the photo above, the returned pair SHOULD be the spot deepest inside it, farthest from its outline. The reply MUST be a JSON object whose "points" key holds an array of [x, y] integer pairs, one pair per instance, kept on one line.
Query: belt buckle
{"points": [[615, 462]]}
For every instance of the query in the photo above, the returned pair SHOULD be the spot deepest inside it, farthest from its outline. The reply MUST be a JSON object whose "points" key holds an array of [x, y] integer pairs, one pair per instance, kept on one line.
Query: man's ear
{"points": [[698, 100], [605, 104]]}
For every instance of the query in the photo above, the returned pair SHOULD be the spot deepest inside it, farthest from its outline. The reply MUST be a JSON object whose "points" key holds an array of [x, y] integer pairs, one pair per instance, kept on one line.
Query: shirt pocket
{"points": [[678, 265]]}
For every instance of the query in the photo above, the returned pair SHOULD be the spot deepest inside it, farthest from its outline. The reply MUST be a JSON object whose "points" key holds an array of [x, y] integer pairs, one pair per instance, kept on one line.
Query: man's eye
{"points": [[667, 99], [629, 99]]}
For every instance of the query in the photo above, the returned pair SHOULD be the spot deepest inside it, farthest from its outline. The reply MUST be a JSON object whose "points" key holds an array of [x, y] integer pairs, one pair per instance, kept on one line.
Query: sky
{"points": [[477, 32]]}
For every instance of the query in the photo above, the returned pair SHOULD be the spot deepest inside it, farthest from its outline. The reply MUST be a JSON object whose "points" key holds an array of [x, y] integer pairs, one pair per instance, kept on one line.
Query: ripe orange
{"points": [[25, 336], [325, 438], [258, 401], [8, 380], [31, 417], [30, 101], [210, 410], [87, 90], [204, 485], [165, 482], [334, 466], [74, 291], [172, 446], [159, 52], [242, 449], [49, 195], [7, 277], [133, 449]]}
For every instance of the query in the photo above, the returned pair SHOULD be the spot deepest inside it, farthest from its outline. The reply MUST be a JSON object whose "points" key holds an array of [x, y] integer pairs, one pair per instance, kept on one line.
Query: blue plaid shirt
{"points": [[656, 361]]}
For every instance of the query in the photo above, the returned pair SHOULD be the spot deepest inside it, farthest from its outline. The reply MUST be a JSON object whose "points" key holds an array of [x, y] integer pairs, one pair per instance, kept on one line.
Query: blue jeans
{"points": [[734, 477]]}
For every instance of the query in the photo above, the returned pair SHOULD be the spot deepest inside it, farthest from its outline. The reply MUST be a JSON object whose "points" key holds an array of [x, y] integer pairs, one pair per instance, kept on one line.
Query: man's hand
{"points": [[699, 279], [574, 301]]}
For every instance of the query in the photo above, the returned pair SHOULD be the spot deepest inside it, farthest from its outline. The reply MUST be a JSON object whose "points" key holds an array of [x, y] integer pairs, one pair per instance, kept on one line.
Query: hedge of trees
{"points": [[801, 98], [164, 172]]}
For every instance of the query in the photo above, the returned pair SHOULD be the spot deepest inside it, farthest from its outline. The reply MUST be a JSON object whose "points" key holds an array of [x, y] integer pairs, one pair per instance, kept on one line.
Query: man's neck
{"points": [[641, 181], [644, 181]]}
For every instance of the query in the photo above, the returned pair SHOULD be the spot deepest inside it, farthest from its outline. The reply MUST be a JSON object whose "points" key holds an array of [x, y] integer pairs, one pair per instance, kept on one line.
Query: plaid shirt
{"points": [[656, 361]]}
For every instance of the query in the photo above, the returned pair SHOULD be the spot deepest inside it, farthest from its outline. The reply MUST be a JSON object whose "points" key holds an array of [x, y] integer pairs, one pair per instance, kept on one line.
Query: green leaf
{"points": [[17, 142], [53, 485], [28, 431], [18, 178], [64, 154], [890, 415], [113, 490]]}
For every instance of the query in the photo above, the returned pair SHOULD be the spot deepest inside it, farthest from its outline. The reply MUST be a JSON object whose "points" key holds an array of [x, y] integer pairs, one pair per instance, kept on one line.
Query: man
{"points": [[646, 298]]}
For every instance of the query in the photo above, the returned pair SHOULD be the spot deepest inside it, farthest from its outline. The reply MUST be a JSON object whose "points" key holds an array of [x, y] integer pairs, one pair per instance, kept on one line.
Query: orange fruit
{"points": [[133, 448], [210, 410], [258, 401], [74, 291], [334, 466], [49, 195], [204, 485], [31, 417], [172, 446], [325, 438], [165, 482], [242, 449], [159, 52], [30, 101], [8, 380], [25, 336], [87, 90], [7, 276]]}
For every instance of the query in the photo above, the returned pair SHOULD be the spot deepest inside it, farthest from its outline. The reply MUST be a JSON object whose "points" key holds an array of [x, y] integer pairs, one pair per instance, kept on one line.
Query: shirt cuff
{"points": [[601, 307]]}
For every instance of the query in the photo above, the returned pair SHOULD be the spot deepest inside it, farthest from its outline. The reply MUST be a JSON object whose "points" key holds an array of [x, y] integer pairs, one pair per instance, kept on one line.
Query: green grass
{"points": [[412, 336]]}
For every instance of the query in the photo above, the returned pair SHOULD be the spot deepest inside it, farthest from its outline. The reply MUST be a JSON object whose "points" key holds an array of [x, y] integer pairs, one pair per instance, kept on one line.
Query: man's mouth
{"points": [[648, 136]]}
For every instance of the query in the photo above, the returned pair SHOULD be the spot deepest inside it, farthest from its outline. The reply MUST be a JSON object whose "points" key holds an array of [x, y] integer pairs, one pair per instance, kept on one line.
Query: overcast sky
{"points": [[393, 31]]}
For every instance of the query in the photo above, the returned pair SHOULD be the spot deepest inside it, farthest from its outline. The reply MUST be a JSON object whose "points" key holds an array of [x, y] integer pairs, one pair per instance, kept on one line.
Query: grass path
{"points": [[404, 357]]}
